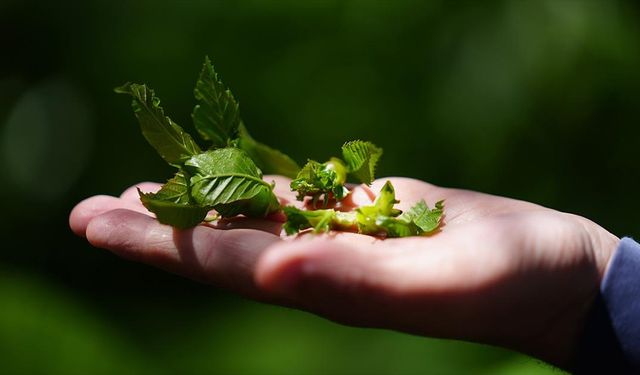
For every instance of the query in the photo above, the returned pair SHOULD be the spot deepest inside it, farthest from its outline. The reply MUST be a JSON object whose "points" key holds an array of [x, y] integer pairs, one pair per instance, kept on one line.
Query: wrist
{"points": [[561, 342], [568, 337]]}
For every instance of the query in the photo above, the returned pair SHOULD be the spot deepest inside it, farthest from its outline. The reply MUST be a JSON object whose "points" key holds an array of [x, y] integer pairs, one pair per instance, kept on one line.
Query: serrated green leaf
{"points": [[269, 160], [172, 143], [172, 204], [361, 158], [424, 218], [217, 115], [175, 190], [228, 180], [397, 228], [177, 215], [223, 161]]}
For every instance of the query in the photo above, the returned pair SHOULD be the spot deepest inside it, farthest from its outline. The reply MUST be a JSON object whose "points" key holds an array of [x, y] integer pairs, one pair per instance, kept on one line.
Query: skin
{"points": [[501, 271]]}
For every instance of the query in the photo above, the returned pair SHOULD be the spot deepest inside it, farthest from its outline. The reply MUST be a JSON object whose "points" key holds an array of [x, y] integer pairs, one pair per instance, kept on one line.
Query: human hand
{"points": [[501, 271]]}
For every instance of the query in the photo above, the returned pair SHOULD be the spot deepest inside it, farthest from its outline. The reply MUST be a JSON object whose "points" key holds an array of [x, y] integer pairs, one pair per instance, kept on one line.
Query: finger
{"points": [[91, 207], [338, 276], [223, 257]]}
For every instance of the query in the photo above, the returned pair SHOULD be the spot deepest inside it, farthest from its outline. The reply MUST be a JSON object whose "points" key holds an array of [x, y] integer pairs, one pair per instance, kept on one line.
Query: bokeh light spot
{"points": [[46, 140]]}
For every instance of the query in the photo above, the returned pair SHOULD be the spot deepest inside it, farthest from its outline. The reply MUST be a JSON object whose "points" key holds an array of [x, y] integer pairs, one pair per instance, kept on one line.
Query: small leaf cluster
{"points": [[227, 177], [327, 179], [379, 219]]}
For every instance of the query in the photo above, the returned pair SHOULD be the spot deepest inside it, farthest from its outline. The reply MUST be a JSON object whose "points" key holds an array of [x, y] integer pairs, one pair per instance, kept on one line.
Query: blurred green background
{"points": [[537, 100]]}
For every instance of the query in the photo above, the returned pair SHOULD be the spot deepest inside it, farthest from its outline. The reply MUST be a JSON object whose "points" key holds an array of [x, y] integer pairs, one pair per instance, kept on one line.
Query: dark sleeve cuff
{"points": [[621, 294], [611, 339]]}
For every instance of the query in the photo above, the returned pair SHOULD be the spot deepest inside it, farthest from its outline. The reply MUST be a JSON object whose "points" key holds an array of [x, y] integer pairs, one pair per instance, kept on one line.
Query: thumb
{"points": [[394, 283], [345, 277]]}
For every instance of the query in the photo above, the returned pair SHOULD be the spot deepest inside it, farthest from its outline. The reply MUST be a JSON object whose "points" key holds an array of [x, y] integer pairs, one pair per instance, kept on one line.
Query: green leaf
{"points": [[216, 116], [228, 180], [172, 204], [172, 143], [397, 228], [361, 158], [269, 160], [424, 218], [176, 190]]}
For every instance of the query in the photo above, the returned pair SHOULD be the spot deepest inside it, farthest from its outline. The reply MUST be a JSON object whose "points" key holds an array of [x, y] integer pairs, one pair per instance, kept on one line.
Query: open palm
{"points": [[500, 271]]}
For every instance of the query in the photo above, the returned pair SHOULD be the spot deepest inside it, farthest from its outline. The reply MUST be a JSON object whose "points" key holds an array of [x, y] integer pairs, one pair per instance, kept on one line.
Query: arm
{"points": [[501, 271]]}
